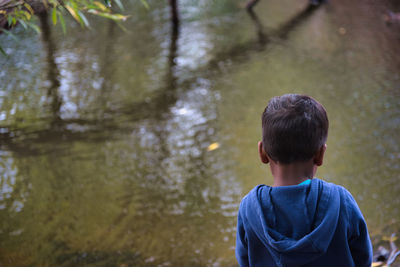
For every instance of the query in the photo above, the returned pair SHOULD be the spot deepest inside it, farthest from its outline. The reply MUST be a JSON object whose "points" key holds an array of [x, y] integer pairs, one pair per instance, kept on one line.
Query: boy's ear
{"points": [[263, 155], [319, 156]]}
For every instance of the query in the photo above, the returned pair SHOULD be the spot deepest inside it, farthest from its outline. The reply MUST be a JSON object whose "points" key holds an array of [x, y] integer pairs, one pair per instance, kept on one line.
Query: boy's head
{"points": [[294, 128]]}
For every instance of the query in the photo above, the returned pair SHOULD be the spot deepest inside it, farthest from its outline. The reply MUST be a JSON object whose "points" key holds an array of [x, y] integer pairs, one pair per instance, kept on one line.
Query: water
{"points": [[105, 134]]}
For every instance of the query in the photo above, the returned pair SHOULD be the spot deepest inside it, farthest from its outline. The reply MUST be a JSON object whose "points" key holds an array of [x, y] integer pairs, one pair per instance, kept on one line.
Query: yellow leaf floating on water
{"points": [[377, 264], [213, 146]]}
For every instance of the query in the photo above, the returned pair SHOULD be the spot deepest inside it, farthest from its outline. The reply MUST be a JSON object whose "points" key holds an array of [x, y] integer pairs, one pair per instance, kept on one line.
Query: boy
{"points": [[299, 220]]}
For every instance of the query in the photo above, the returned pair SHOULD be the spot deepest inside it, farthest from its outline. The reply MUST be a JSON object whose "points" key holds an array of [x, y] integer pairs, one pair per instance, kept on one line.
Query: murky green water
{"points": [[104, 134]]}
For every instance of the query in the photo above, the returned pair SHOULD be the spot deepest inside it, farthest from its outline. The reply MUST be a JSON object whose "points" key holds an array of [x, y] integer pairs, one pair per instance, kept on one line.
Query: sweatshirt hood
{"points": [[295, 223]]}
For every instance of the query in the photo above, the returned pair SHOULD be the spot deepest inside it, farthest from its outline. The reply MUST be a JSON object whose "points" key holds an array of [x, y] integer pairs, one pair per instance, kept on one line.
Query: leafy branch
{"points": [[13, 12]]}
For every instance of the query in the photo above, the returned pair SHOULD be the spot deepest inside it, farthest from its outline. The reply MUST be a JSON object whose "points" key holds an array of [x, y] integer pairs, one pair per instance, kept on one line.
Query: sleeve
{"points": [[241, 250], [359, 241]]}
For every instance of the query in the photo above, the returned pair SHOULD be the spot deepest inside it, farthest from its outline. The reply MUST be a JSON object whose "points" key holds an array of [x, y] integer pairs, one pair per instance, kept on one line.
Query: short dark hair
{"points": [[294, 128]]}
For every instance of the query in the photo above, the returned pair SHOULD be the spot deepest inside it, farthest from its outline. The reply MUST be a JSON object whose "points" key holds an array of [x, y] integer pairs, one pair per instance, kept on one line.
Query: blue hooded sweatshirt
{"points": [[316, 224]]}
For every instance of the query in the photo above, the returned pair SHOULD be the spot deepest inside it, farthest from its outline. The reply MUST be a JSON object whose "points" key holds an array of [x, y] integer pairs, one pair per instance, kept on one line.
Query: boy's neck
{"points": [[293, 173]]}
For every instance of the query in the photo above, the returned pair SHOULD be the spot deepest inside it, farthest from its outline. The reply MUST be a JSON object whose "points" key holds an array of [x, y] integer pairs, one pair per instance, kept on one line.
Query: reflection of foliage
{"points": [[128, 204], [13, 193]]}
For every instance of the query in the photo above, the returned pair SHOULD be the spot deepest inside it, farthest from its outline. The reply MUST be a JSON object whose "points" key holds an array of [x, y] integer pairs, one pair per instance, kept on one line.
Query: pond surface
{"points": [[105, 135]]}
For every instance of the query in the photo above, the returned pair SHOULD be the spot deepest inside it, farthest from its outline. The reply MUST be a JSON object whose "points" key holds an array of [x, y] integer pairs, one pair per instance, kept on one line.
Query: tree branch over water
{"points": [[14, 12]]}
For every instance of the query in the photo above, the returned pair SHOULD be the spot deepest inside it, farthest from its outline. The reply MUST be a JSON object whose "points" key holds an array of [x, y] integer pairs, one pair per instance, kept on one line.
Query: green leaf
{"points": [[27, 14], [146, 5], [54, 15], [119, 4], [2, 51], [83, 18], [9, 20], [34, 27], [108, 3], [54, 2], [23, 23], [10, 34], [100, 5], [74, 14], [122, 27], [116, 17], [62, 22], [27, 6]]}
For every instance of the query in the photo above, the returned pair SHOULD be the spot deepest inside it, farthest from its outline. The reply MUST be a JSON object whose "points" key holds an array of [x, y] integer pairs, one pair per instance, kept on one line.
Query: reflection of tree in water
{"points": [[171, 202], [161, 196], [52, 68], [13, 194], [239, 53], [14, 185], [108, 69], [164, 98], [153, 197], [153, 184]]}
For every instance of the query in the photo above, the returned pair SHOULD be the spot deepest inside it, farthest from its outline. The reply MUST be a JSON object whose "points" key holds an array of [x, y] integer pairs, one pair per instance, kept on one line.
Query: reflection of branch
{"points": [[286, 28], [262, 37], [174, 13], [250, 4], [157, 110], [169, 93], [52, 69], [172, 55], [165, 97], [106, 62], [240, 51]]}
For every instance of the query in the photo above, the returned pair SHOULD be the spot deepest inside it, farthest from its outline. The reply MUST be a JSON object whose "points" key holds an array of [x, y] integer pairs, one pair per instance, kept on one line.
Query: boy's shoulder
{"points": [[345, 194], [323, 187], [348, 205]]}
